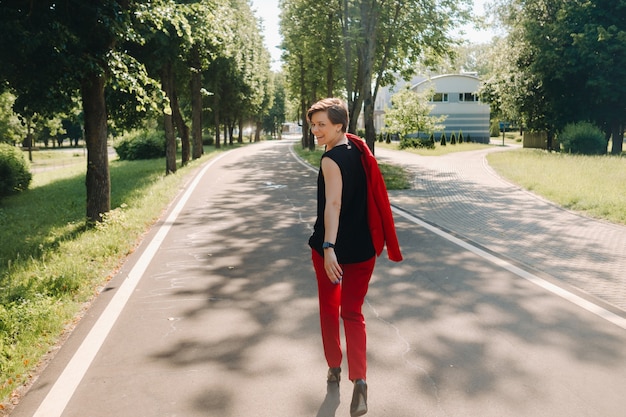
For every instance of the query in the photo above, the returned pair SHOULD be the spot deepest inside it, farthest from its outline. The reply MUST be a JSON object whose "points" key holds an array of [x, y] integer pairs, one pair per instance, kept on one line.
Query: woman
{"points": [[343, 248]]}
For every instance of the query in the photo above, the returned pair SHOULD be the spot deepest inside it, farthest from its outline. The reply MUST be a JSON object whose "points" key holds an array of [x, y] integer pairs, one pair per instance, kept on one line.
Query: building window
{"points": [[439, 97], [468, 97]]}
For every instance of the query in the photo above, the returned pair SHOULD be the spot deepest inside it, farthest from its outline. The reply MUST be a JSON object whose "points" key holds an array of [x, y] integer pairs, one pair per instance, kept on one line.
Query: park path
{"points": [[215, 315], [461, 193]]}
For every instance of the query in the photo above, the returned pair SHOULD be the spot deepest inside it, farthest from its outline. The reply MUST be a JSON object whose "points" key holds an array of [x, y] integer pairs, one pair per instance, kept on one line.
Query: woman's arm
{"points": [[334, 186]]}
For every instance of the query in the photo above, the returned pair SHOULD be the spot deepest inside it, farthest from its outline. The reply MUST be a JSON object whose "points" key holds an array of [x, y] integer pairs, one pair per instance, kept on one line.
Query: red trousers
{"points": [[345, 299]]}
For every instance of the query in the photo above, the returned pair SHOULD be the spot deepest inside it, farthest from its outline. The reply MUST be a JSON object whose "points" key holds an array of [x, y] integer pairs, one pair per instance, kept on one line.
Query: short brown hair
{"points": [[335, 108]]}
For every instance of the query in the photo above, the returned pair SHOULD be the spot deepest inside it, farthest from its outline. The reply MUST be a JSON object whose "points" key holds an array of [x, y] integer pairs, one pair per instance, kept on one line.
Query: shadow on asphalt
{"points": [[250, 245], [464, 322], [331, 402], [524, 229]]}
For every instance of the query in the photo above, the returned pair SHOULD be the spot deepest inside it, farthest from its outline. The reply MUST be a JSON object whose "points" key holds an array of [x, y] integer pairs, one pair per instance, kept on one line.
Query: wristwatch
{"points": [[327, 245]]}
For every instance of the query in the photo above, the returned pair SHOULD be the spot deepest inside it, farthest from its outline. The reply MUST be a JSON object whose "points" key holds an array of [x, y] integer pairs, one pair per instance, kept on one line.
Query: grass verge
{"points": [[396, 178], [51, 264], [57, 157], [592, 185], [438, 150]]}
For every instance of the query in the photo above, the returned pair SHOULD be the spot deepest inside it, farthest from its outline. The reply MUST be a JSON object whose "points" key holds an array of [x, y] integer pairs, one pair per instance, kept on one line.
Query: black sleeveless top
{"points": [[354, 242]]}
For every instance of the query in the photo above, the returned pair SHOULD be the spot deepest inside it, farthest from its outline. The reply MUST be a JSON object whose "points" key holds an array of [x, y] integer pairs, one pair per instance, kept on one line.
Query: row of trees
{"points": [[562, 61], [51, 131], [122, 61], [353, 47]]}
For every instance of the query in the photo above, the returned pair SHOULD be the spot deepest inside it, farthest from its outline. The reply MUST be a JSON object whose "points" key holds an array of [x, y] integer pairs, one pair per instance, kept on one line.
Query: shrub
{"points": [[453, 139], [417, 143], [208, 140], [583, 138], [141, 145], [442, 140], [494, 128], [15, 175], [460, 136]]}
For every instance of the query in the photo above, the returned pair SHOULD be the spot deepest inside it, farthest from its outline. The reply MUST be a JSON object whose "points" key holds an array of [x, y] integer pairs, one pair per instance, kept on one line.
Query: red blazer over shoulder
{"points": [[379, 216]]}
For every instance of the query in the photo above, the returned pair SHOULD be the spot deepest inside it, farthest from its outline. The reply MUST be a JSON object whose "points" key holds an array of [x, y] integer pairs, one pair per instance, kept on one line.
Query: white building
{"points": [[456, 97]]}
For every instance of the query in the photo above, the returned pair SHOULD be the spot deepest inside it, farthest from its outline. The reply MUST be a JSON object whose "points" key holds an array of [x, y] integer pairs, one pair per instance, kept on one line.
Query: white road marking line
{"points": [[573, 298], [62, 391]]}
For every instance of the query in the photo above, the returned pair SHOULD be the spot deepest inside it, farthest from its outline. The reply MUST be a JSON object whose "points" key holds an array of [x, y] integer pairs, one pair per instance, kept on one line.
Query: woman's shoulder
{"points": [[334, 153]]}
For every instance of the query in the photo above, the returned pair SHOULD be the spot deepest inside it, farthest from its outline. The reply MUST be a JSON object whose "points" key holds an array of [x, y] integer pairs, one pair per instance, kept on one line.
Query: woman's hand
{"points": [[332, 267]]}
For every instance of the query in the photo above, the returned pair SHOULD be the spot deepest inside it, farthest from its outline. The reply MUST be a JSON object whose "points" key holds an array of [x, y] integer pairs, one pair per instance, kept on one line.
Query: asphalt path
{"points": [[215, 314]]}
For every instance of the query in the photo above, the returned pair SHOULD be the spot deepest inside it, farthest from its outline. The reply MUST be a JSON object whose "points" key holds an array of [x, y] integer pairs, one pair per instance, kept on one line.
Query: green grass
{"points": [[57, 157], [396, 178], [51, 263], [592, 185]]}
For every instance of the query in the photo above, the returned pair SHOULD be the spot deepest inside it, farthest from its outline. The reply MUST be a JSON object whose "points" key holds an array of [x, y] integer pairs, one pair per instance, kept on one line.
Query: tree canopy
{"points": [[353, 47], [122, 60], [564, 63]]}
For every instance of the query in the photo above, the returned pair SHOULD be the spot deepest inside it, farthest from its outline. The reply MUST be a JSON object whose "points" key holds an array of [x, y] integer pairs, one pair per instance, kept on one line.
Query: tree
{"points": [[379, 39], [273, 121], [53, 52], [239, 77], [312, 55], [210, 23], [167, 41], [11, 129], [569, 56], [505, 85], [383, 38], [410, 113]]}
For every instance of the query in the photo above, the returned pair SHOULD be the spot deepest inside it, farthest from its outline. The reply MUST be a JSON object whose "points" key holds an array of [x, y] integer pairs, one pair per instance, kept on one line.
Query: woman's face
{"points": [[324, 130]]}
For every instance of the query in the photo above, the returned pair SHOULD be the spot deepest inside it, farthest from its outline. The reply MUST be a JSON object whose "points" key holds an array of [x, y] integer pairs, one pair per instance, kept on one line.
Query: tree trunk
{"points": [[98, 179], [240, 134], [347, 47], [181, 127], [216, 120], [355, 112], [369, 15], [196, 104], [368, 117], [167, 83], [29, 137], [549, 139], [618, 138], [307, 140]]}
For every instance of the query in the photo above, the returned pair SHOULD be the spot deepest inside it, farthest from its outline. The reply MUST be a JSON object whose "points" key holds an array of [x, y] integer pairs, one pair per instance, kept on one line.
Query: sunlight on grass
{"points": [[594, 185], [58, 157]]}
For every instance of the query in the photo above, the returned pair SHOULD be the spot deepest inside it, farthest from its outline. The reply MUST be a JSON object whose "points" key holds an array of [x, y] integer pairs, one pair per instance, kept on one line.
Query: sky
{"points": [[268, 11]]}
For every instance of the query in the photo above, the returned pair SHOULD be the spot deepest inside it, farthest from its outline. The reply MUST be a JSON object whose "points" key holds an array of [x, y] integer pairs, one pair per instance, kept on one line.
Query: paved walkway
{"points": [[461, 193]]}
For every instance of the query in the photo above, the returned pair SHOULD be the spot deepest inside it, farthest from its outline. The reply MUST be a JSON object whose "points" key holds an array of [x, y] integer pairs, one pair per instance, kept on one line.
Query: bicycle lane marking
{"points": [[554, 289], [63, 389]]}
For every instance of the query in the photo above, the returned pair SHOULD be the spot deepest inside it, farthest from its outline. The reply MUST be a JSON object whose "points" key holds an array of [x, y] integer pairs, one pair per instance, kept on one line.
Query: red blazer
{"points": [[379, 214]]}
